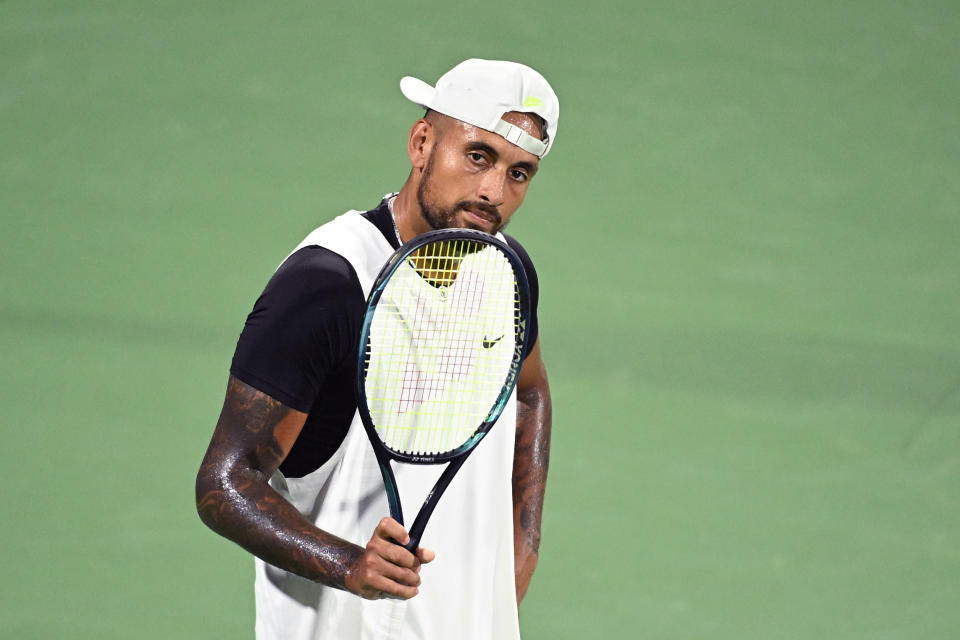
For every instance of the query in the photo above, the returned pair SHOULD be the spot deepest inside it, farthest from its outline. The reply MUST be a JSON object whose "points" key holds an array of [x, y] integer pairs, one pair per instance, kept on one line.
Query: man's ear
{"points": [[420, 143]]}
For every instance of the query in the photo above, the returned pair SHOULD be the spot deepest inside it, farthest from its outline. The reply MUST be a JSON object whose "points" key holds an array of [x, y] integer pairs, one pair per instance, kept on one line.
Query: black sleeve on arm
{"points": [[302, 327], [534, 289]]}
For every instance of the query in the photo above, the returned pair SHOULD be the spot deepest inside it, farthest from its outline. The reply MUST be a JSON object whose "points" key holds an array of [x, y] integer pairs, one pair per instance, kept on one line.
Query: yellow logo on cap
{"points": [[530, 101]]}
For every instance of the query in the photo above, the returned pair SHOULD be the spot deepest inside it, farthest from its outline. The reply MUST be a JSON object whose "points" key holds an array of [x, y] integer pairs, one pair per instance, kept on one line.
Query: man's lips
{"points": [[483, 213]]}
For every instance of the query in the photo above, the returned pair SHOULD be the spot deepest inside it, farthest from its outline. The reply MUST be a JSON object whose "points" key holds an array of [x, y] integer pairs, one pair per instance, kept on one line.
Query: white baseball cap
{"points": [[479, 92]]}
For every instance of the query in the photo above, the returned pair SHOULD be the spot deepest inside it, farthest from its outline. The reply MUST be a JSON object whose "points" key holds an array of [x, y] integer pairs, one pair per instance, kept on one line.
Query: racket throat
{"points": [[430, 502], [393, 496]]}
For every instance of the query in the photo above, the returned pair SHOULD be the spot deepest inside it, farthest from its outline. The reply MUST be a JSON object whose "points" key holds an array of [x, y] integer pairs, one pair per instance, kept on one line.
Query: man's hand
{"points": [[387, 570]]}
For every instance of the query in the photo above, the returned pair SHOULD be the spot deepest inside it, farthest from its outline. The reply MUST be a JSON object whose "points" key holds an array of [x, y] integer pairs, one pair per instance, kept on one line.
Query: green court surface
{"points": [[748, 239]]}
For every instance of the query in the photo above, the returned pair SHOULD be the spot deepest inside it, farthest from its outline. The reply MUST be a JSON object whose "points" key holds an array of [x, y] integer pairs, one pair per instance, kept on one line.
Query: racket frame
{"points": [[455, 457]]}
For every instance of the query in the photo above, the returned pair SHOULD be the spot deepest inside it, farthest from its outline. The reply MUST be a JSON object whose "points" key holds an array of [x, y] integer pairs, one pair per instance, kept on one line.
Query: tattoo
{"points": [[530, 463], [234, 497]]}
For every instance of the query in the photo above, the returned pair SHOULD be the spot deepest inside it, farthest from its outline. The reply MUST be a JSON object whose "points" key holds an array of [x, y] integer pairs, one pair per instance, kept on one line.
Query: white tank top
{"points": [[468, 592]]}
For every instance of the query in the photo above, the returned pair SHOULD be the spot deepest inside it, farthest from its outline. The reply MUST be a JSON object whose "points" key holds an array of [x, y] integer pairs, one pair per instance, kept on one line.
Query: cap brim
{"points": [[417, 91]]}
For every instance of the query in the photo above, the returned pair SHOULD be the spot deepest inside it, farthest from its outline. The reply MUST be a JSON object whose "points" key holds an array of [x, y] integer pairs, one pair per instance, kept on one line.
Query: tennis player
{"points": [[289, 473]]}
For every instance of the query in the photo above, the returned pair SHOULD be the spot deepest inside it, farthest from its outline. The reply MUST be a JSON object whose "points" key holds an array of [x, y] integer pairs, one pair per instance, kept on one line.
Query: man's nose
{"points": [[491, 187]]}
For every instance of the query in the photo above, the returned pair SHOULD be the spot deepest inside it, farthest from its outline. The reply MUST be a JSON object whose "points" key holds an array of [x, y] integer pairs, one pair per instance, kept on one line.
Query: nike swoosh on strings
{"points": [[488, 344]]}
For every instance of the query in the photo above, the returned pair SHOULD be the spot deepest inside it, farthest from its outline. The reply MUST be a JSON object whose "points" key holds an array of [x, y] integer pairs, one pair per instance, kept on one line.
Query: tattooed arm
{"points": [[253, 435], [531, 458]]}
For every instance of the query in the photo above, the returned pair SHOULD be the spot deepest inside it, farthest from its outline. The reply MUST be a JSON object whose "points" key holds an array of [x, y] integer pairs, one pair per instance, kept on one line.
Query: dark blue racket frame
{"points": [[458, 456]]}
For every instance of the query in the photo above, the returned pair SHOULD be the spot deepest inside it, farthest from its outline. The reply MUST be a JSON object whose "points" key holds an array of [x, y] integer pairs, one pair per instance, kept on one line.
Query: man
{"points": [[289, 474]]}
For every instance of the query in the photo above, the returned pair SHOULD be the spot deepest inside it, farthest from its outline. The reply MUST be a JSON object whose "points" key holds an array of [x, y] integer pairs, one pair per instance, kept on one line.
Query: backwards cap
{"points": [[479, 92]]}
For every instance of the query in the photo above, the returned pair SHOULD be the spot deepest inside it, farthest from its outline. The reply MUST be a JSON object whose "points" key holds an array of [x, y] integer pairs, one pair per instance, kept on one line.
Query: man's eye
{"points": [[476, 156], [518, 175]]}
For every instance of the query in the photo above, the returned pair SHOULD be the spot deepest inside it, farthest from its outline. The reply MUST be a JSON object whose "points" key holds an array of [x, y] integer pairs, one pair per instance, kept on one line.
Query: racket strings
{"points": [[441, 345]]}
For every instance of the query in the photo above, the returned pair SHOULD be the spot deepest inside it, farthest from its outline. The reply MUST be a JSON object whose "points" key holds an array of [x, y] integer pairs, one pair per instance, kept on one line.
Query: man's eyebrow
{"points": [[529, 167], [476, 145]]}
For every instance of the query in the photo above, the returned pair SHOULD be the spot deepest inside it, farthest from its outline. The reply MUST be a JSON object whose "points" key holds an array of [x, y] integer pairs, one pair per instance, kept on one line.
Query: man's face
{"points": [[473, 178]]}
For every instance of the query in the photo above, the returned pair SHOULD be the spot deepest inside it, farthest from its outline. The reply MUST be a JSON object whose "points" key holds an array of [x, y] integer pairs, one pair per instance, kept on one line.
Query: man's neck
{"points": [[407, 215]]}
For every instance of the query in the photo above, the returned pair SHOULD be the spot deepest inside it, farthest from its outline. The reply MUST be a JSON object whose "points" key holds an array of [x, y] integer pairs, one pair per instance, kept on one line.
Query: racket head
{"points": [[443, 338]]}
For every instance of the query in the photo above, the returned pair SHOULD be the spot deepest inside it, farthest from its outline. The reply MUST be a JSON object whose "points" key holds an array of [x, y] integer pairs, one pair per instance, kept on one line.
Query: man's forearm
{"points": [[235, 499], [530, 463], [244, 508]]}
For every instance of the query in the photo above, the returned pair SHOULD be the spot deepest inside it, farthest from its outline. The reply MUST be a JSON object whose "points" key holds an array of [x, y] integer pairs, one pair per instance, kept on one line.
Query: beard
{"points": [[438, 216]]}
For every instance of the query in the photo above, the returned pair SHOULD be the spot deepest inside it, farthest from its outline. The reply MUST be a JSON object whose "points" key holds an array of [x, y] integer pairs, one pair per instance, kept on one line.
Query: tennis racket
{"points": [[443, 339]]}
